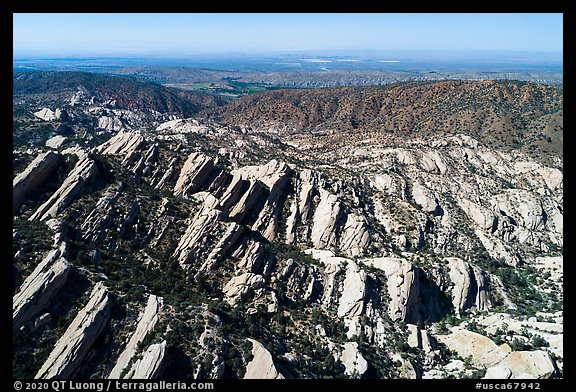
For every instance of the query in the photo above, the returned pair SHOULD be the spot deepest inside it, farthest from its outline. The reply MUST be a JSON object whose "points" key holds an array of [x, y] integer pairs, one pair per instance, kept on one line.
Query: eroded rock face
{"points": [[274, 175], [262, 365], [110, 122], [187, 125], [403, 287], [353, 360], [73, 185], [123, 144], [425, 198], [483, 350], [325, 220], [151, 365], [39, 288], [56, 142], [47, 114], [195, 172], [76, 342], [241, 286], [355, 236], [498, 372], [352, 299], [35, 174], [192, 243], [146, 323], [535, 363], [470, 285]]}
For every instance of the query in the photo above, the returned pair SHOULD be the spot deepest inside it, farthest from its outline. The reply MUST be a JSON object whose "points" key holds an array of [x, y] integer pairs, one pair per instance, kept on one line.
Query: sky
{"points": [[58, 34]]}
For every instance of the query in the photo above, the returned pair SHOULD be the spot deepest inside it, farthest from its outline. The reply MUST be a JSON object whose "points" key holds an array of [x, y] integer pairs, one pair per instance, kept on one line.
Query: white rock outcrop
{"points": [[186, 125], [194, 240], [470, 285], [353, 360], [352, 299], [151, 365], [39, 288], [124, 144], [498, 372], [56, 142], [535, 363], [262, 365], [325, 220], [195, 172], [403, 287], [35, 174], [46, 115], [73, 346], [241, 286], [355, 235], [72, 186], [424, 197], [146, 323], [483, 350]]}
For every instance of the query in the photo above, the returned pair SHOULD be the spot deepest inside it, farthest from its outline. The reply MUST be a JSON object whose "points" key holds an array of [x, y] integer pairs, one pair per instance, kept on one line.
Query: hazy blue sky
{"points": [[164, 34]]}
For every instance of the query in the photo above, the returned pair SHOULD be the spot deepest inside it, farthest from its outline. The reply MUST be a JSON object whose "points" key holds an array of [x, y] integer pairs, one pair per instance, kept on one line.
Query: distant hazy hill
{"points": [[128, 92], [505, 113]]}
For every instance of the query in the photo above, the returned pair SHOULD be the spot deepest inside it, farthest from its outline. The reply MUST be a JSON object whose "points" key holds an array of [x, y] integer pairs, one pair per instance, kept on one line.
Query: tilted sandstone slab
{"points": [[483, 350], [275, 176], [239, 287], [353, 360], [223, 246], [74, 345], [193, 242], [325, 220], [535, 363], [195, 172], [39, 288], [355, 235], [151, 365], [470, 285], [35, 174], [403, 287], [101, 217], [111, 122], [261, 366], [72, 186], [247, 201], [352, 300], [425, 198], [433, 162], [123, 144], [146, 323], [497, 373], [46, 114], [56, 142]]}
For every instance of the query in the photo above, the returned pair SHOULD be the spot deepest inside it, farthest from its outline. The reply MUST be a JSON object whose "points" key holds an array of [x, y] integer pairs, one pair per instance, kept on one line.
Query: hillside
{"points": [[401, 232], [502, 114], [125, 91]]}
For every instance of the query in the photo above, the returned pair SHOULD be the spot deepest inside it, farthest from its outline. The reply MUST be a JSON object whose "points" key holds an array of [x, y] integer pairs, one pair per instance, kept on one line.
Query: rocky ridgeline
{"points": [[73, 346], [387, 242]]}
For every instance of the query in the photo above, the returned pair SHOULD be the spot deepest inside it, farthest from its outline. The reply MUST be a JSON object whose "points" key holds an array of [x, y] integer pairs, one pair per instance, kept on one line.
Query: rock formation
{"points": [[72, 186], [241, 286], [36, 174], [261, 366], [39, 288], [403, 287], [151, 364], [353, 360], [146, 323], [76, 342]]}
